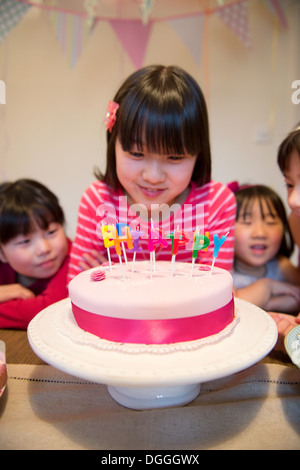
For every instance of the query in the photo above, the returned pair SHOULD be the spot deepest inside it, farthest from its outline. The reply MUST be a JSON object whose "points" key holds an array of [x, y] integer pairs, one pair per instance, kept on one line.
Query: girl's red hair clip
{"points": [[111, 115]]}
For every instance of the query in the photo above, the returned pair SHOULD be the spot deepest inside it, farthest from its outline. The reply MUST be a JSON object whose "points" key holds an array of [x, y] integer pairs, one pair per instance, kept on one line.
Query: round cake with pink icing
{"points": [[142, 303]]}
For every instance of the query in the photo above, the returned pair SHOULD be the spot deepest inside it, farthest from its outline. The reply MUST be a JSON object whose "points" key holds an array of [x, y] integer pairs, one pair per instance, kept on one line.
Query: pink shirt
{"points": [[211, 208]]}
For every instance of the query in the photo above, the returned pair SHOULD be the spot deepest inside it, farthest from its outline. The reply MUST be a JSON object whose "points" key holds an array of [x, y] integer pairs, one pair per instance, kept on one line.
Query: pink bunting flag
{"points": [[134, 37], [235, 16], [276, 8]]}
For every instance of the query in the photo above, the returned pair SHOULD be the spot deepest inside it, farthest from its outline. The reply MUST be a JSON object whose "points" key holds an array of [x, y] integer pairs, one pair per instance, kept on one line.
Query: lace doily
{"points": [[66, 324]]}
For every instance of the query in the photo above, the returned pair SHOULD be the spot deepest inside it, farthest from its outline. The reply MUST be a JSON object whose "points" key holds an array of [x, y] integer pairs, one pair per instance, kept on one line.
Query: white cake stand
{"points": [[142, 380]]}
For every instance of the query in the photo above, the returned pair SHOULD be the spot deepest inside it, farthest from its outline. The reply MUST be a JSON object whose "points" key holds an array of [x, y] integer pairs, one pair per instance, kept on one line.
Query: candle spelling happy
{"points": [[117, 237]]}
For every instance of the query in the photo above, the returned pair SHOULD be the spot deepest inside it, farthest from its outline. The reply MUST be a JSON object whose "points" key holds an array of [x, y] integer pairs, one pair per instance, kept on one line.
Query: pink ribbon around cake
{"points": [[175, 330]]}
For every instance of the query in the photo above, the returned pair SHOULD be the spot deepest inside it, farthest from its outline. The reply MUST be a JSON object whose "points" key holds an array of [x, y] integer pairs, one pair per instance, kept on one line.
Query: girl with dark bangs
{"points": [[288, 159], [34, 252], [158, 169], [263, 273]]}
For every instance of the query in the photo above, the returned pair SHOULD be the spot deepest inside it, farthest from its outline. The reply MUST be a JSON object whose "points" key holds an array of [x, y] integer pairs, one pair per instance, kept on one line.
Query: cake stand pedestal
{"points": [[139, 378], [154, 397]]}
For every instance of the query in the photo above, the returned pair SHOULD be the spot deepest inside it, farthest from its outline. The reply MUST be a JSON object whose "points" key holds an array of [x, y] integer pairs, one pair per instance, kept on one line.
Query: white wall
{"points": [[52, 125]]}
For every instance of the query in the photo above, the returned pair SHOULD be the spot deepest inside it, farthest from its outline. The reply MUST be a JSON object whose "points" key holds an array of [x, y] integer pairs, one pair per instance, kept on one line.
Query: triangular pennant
{"points": [[236, 18], [90, 7], [146, 7], [277, 9], [134, 36], [73, 32], [11, 13], [190, 30]]}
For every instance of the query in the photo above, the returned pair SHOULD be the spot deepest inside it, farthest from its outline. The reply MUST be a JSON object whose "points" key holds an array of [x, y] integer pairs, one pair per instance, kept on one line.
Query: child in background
{"points": [[289, 162], [34, 252], [263, 273], [159, 162]]}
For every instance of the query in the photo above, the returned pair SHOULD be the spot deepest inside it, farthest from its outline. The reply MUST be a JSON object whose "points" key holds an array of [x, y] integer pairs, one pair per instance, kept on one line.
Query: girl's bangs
{"points": [[24, 222], [160, 131], [24, 205], [244, 207], [43, 217]]}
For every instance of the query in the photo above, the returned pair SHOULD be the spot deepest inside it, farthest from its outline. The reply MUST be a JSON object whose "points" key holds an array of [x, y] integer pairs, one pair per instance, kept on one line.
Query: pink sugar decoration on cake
{"points": [[204, 268], [98, 275], [107, 263]]}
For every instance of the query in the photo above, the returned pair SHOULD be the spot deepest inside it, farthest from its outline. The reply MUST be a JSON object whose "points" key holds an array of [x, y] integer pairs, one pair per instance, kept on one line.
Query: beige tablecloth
{"points": [[43, 408]]}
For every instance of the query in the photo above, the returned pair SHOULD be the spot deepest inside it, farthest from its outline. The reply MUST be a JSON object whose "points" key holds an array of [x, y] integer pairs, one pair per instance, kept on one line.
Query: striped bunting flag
{"points": [[73, 32]]}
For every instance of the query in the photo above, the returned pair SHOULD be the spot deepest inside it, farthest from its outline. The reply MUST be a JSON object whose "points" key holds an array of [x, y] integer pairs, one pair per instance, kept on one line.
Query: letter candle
{"points": [[120, 238], [110, 236], [179, 238], [151, 249], [201, 242], [136, 235], [106, 231], [217, 245], [156, 236]]}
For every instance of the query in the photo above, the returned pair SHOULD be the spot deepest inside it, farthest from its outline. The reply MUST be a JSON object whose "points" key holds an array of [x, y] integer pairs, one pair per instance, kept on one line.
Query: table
{"points": [[18, 350], [43, 408]]}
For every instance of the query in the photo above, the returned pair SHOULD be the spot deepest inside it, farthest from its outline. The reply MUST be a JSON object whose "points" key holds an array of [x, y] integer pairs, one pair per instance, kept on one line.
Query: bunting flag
{"points": [[235, 16], [11, 12], [73, 32], [190, 30], [134, 37], [146, 7], [90, 7], [276, 8], [73, 28]]}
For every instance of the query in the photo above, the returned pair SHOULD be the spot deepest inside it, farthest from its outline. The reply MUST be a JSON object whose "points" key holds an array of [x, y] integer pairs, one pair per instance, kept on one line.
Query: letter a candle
{"points": [[136, 235]]}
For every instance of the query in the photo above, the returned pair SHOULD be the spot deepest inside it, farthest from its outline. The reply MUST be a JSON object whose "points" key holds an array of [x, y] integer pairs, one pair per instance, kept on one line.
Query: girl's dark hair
{"points": [[163, 109], [290, 143], [248, 194], [23, 202]]}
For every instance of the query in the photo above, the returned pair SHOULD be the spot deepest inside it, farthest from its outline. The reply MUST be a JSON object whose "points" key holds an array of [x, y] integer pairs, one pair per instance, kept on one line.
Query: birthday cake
{"points": [[139, 304]]}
